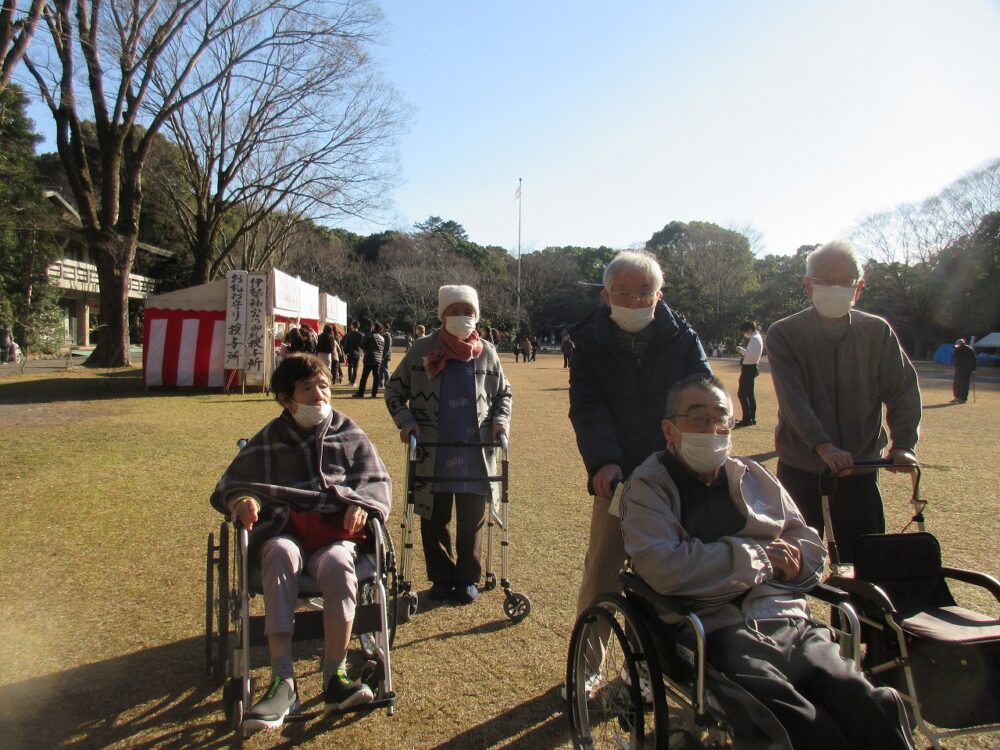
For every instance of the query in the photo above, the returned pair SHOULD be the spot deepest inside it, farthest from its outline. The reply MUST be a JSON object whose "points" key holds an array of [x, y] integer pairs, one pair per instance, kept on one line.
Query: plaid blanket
{"points": [[321, 471]]}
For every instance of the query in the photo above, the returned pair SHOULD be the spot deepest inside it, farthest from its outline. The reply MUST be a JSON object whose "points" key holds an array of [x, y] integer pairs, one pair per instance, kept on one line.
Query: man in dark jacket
{"points": [[353, 351], [374, 351], [628, 354], [964, 360]]}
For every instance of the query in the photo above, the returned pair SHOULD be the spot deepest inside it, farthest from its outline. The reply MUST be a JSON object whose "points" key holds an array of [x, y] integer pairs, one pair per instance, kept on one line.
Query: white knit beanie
{"points": [[449, 294]]}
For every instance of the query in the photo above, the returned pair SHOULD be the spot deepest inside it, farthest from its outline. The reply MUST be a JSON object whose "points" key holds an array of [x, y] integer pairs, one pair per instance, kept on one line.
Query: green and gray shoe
{"points": [[280, 700]]}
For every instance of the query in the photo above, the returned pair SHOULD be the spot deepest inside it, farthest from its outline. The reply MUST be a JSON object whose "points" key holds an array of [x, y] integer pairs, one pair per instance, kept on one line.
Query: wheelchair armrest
{"points": [[982, 580], [827, 593], [677, 605], [865, 590]]}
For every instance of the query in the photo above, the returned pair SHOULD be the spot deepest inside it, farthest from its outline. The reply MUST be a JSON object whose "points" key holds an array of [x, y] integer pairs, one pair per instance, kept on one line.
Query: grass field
{"points": [[104, 490]]}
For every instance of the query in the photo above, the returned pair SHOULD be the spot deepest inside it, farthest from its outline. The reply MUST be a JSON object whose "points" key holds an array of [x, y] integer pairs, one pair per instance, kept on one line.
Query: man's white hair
{"points": [[836, 249], [635, 260]]}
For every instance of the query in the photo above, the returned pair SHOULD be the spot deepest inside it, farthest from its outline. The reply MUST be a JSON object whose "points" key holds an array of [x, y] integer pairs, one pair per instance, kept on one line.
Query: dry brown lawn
{"points": [[104, 493]]}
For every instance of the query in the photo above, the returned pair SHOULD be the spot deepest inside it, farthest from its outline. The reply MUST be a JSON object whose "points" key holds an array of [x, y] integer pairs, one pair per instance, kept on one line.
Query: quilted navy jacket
{"points": [[616, 398]]}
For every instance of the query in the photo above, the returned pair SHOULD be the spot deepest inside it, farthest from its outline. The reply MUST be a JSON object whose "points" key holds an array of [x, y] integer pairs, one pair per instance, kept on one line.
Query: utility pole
{"points": [[517, 320]]}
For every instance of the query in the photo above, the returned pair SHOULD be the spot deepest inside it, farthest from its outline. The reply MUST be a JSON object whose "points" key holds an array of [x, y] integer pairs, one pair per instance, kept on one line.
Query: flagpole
{"points": [[517, 322]]}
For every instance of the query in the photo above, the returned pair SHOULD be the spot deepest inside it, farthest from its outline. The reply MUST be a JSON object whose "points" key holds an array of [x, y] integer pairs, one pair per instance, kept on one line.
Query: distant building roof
{"points": [[72, 224]]}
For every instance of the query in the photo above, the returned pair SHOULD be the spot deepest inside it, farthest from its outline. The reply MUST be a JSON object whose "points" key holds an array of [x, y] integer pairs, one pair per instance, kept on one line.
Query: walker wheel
{"points": [[516, 606], [407, 606], [490, 583]]}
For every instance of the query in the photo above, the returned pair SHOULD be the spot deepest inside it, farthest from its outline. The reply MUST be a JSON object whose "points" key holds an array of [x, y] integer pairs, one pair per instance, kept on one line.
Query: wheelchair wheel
{"points": [[218, 606], [605, 699]]}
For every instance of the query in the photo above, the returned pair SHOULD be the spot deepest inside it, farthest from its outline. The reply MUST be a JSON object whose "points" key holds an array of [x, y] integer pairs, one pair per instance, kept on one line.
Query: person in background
{"points": [[837, 372], [293, 341], [749, 370], [6, 345], [964, 360], [337, 356], [309, 338], [353, 346], [324, 346], [628, 353], [567, 350], [374, 350], [701, 524], [383, 373], [451, 388], [304, 487]]}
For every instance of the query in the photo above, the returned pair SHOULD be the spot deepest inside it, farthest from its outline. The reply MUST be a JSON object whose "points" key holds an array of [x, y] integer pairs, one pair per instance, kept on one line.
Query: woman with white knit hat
{"points": [[450, 387]]}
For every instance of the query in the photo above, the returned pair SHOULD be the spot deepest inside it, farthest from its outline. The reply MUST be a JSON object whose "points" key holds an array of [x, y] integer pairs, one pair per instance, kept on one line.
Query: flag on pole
{"points": [[517, 193]]}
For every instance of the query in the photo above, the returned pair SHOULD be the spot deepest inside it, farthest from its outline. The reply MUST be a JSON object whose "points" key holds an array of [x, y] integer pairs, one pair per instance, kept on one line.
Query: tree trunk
{"points": [[112, 348]]}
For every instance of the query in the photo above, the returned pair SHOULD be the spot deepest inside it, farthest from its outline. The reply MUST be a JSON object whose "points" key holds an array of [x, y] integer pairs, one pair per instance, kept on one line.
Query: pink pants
{"points": [[332, 567]]}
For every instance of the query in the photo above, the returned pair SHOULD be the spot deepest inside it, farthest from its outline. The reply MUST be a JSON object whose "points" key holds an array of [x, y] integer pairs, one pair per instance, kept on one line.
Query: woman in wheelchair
{"points": [[304, 486], [700, 524]]}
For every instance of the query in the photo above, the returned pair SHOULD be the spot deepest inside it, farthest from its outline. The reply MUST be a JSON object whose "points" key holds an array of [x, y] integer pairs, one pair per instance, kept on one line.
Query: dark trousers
{"points": [[855, 510], [960, 385], [383, 372], [797, 672], [465, 566], [352, 369], [566, 359], [748, 401], [370, 368]]}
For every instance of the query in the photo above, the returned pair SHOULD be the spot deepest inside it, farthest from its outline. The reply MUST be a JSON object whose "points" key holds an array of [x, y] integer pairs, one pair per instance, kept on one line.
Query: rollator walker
{"points": [[943, 659], [516, 605]]}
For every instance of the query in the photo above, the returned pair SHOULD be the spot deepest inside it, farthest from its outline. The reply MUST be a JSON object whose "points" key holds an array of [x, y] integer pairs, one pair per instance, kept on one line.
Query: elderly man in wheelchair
{"points": [[304, 487], [722, 532]]}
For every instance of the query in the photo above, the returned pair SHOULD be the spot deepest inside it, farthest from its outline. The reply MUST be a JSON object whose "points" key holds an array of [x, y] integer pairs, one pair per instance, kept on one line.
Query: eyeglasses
{"points": [[700, 417], [625, 297], [846, 283]]}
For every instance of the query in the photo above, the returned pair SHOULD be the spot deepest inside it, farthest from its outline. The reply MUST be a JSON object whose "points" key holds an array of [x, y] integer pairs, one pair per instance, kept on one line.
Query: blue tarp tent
{"points": [[944, 353]]}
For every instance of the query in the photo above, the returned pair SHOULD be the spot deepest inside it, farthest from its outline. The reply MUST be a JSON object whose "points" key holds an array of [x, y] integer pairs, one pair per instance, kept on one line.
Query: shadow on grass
{"points": [[543, 713], [101, 386], [938, 406], [762, 457], [95, 705], [489, 627]]}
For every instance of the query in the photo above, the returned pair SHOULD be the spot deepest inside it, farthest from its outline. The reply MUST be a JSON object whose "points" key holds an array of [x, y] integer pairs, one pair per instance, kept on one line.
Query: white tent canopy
{"points": [[293, 298], [989, 341], [332, 310], [211, 296]]}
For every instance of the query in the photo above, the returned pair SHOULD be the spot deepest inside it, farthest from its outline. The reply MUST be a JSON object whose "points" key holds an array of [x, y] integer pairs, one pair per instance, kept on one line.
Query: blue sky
{"points": [[796, 117]]}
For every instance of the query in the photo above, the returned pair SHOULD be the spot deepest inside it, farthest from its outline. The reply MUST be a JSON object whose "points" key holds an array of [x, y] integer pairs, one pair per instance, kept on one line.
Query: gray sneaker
{"points": [[280, 700]]}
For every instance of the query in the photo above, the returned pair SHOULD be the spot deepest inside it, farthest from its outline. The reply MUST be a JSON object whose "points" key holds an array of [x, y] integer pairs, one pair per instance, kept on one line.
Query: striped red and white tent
{"points": [[183, 337], [184, 330]]}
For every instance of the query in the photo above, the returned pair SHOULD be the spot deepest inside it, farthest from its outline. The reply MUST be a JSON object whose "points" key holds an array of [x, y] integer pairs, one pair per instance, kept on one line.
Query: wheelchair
{"points": [[653, 687], [231, 631], [943, 659]]}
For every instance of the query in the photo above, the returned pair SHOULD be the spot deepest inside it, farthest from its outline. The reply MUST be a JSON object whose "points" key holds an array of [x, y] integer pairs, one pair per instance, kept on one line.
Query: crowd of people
{"points": [[653, 428]]}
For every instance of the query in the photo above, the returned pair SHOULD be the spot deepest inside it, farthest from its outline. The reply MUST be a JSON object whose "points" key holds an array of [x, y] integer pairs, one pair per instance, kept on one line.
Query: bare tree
{"points": [[416, 266], [302, 130], [123, 48], [16, 30]]}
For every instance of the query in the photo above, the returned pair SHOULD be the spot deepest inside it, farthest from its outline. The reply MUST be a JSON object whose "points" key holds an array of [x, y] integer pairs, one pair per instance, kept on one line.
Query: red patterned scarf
{"points": [[452, 347]]}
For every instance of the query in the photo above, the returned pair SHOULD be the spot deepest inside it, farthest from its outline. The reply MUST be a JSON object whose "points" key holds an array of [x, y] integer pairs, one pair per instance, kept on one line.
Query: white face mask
{"points": [[704, 451], [308, 416], [460, 326], [632, 320], [833, 301]]}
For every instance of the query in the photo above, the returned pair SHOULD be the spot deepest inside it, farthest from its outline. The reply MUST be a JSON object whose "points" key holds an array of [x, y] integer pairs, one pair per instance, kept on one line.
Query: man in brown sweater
{"points": [[835, 371]]}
